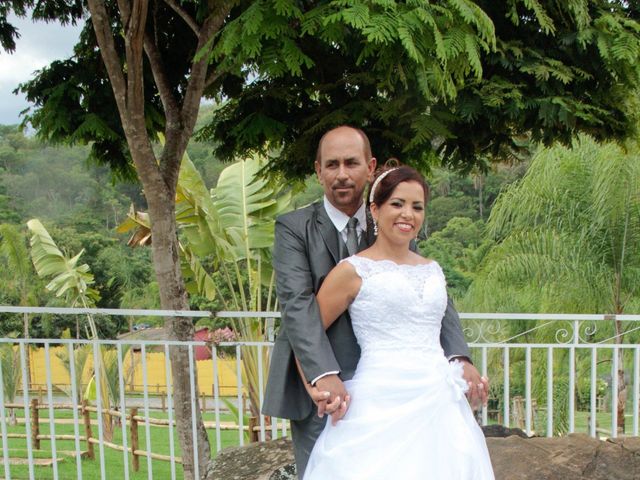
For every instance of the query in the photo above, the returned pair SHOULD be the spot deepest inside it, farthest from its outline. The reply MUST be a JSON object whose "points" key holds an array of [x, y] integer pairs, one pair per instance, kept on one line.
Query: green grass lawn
{"points": [[603, 423], [114, 460]]}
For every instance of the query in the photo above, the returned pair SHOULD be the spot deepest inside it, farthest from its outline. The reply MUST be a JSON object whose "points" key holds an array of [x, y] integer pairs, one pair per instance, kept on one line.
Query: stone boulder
{"points": [[256, 461], [573, 457]]}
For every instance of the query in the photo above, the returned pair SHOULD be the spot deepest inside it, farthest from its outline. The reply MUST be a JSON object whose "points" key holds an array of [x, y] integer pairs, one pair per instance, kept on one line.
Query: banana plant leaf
{"points": [[67, 277]]}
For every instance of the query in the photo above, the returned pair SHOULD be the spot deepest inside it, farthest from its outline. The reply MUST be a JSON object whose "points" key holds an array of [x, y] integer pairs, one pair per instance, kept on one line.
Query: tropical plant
{"points": [[228, 230], [22, 278], [567, 240], [73, 282], [81, 355], [67, 278], [10, 360]]}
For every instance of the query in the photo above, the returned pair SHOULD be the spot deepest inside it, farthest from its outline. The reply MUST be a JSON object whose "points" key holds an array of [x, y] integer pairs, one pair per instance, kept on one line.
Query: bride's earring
{"points": [[375, 227]]}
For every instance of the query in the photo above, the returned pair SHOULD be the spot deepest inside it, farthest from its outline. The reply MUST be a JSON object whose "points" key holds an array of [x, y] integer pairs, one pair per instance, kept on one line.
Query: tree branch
{"points": [[213, 76], [110, 57], [185, 16], [125, 12], [134, 44], [132, 120], [193, 94], [169, 103]]}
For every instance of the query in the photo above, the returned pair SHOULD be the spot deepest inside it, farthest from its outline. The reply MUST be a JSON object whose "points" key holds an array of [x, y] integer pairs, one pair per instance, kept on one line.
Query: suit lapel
{"points": [[328, 232]]}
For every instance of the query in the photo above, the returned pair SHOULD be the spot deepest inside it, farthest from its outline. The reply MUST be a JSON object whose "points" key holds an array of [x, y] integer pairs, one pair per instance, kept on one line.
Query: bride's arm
{"points": [[337, 292]]}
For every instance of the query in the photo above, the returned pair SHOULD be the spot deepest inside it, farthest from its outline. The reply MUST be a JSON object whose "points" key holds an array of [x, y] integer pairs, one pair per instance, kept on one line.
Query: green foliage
{"points": [[465, 80], [81, 356], [343, 62], [565, 233], [57, 184], [443, 208], [226, 240], [458, 248], [471, 196], [15, 256], [563, 236], [68, 279], [11, 371]]}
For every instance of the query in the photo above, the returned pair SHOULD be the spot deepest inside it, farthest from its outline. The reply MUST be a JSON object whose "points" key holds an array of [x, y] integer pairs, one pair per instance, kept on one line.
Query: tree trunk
{"points": [[622, 387], [622, 398], [13, 419], [173, 297], [159, 180]]}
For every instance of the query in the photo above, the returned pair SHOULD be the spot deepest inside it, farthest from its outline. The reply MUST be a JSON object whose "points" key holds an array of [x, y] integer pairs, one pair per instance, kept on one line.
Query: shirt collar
{"points": [[340, 219]]}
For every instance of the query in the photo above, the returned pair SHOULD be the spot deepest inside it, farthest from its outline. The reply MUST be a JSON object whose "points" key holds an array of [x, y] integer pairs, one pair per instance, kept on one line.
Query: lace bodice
{"points": [[398, 307]]}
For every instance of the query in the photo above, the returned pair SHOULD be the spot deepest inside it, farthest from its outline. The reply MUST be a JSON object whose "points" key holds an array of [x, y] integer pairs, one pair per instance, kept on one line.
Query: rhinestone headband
{"points": [[378, 180]]}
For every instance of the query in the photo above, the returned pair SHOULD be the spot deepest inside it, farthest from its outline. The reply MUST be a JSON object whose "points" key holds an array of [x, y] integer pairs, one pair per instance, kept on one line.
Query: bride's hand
{"points": [[478, 392], [336, 408], [337, 415]]}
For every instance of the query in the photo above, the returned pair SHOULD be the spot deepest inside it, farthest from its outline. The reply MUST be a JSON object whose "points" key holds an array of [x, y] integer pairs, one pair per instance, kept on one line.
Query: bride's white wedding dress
{"points": [[409, 418]]}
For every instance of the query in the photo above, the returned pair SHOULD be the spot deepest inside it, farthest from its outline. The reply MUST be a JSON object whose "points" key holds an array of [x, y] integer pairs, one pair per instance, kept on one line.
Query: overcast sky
{"points": [[40, 43]]}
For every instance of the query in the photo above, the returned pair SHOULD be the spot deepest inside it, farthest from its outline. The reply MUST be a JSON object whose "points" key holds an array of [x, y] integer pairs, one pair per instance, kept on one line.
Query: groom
{"points": [[309, 242]]}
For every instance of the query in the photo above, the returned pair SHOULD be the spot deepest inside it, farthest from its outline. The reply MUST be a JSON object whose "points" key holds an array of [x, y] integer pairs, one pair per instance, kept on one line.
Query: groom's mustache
{"points": [[343, 185]]}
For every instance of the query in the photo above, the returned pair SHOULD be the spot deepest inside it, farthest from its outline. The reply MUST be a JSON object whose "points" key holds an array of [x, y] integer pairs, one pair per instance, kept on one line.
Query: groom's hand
{"points": [[478, 392], [338, 397]]}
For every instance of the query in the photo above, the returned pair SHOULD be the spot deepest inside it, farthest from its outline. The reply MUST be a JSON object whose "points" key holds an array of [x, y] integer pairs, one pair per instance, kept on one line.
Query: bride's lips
{"points": [[404, 227]]}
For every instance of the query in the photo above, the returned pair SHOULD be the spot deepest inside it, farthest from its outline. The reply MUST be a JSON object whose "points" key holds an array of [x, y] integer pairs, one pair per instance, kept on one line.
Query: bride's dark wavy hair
{"points": [[400, 173]]}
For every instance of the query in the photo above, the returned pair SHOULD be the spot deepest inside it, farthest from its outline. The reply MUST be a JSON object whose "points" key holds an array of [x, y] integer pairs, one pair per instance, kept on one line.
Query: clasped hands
{"points": [[478, 391], [331, 397]]}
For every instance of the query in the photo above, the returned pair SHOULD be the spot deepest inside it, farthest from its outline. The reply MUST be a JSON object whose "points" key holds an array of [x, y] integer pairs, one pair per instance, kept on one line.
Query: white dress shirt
{"points": [[340, 219]]}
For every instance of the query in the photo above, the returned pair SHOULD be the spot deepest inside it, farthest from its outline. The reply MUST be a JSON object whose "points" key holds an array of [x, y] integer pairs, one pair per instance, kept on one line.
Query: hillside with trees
{"points": [[81, 203]]}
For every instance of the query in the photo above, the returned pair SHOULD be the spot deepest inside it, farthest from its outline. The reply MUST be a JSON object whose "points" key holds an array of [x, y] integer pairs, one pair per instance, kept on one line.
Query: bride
{"points": [[408, 417]]}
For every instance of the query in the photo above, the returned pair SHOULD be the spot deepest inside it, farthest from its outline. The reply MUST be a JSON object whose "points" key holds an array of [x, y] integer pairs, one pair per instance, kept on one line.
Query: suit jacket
{"points": [[307, 246]]}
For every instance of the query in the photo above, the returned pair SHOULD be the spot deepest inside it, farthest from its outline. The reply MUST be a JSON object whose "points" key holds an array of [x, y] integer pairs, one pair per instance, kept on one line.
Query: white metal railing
{"points": [[551, 371]]}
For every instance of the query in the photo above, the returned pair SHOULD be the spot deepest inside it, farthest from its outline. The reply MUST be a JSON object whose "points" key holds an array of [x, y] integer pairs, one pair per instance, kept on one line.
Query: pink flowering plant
{"points": [[220, 335]]}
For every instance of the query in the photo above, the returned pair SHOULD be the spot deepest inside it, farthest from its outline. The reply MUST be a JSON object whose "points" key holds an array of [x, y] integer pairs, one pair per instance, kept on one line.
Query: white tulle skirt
{"points": [[408, 419]]}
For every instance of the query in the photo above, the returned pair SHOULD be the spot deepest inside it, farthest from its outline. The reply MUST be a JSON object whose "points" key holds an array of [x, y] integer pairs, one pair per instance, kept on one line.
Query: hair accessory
{"points": [[378, 180]]}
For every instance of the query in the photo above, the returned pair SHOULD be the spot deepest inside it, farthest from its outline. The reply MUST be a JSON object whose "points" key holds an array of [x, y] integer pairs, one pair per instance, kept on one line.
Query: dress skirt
{"points": [[408, 419]]}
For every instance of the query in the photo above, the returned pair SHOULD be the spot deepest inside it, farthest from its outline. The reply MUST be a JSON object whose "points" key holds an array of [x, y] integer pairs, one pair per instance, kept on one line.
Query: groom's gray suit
{"points": [[307, 246]]}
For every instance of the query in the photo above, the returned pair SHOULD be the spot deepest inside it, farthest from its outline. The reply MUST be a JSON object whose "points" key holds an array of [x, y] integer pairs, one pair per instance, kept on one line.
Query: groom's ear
{"points": [[372, 167]]}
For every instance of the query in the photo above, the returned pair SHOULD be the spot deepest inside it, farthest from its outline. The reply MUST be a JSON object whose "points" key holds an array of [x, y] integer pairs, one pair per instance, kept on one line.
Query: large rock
{"points": [[574, 457], [256, 461]]}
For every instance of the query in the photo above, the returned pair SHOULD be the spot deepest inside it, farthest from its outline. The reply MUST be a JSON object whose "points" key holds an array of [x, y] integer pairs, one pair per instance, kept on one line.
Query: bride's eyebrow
{"points": [[399, 199]]}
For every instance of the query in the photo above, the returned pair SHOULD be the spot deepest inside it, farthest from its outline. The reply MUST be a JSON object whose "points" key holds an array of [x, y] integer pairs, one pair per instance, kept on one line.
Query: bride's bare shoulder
{"points": [[420, 260]]}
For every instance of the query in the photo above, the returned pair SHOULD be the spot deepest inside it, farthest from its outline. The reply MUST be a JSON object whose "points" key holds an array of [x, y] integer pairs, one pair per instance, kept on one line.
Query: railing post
{"points": [[87, 430], [134, 440], [35, 424]]}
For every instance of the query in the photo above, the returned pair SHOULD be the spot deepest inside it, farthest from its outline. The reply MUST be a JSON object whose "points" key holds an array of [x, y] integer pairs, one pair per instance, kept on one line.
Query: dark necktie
{"points": [[352, 236]]}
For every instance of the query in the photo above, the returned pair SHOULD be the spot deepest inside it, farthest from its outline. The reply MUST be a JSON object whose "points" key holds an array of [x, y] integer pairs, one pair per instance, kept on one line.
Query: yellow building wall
{"points": [[156, 377]]}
